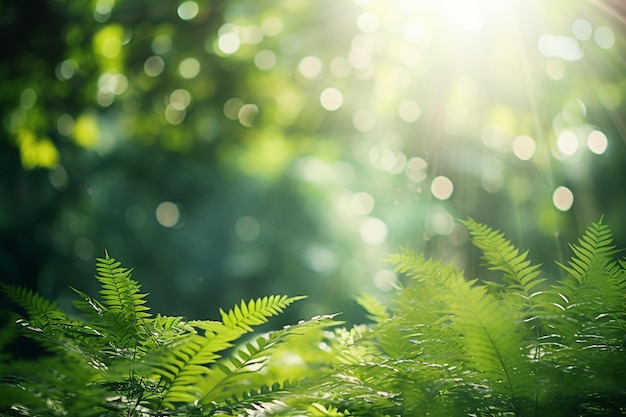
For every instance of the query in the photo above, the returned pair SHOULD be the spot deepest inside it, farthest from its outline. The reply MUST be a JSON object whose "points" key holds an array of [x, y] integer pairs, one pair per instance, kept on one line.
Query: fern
{"points": [[597, 288], [230, 377], [593, 289], [452, 346], [182, 364], [133, 363], [256, 312], [486, 334], [521, 284], [444, 345], [36, 306], [125, 305], [520, 275], [493, 344], [377, 311], [589, 338], [594, 249]]}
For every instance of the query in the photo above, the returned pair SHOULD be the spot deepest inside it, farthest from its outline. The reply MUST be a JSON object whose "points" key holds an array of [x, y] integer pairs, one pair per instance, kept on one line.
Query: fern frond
{"points": [[188, 366], [423, 310], [377, 311], [256, 312], [593, 279], [182, 364], [124, 313], [35, 305], [166, 329], [593, 293], [119, 291], [231, 375], [500, 254], [493, 339], [90, 307], [51, 386], [466, 326], [46, 323], [593, 249]]}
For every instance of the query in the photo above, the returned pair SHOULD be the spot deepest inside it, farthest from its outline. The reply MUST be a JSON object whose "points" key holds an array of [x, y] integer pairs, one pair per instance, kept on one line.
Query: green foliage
{"points": [[121, 360], [524, 345], [521, 345]]}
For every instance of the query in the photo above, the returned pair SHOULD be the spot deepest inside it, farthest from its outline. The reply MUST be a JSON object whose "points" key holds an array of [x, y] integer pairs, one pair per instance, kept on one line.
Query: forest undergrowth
{"points": [[523, 344]]}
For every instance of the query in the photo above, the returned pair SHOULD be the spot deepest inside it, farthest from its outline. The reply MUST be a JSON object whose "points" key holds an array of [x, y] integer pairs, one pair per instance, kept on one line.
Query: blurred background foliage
{"points": [[234, 149]]}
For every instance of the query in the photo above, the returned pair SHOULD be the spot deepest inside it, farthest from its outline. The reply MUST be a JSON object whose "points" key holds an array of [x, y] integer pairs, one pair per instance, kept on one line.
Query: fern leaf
{"points": [[493, 339], [36, 306], [377, 311], [589, 270], [501, 255], [489, 337], [594, 248], [256, 312], [423, 309], [90, 307], [189, 367], [125, 316], [265, 400], [231, 376], [166, 329], [183, 363], [520, 277], [119, 291], [593, 293]]}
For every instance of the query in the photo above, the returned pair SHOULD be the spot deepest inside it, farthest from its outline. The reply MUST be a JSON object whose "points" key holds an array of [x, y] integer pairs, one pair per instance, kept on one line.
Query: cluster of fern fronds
{"points": [[120, 360], [522, 346], [525, 345]]}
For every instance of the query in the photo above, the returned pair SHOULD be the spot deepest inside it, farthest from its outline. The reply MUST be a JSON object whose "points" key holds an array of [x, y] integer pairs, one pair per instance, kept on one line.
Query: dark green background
{"points": [[296, 168]]}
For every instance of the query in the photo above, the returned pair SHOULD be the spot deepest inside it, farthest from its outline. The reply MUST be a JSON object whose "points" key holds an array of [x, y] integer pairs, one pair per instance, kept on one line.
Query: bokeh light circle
{"points": [[232, 107], [362, 203], [582, 29], [567, 142], [409, 111], [442, 187], [385, 280], [247, 114], [441, 223], [364, 120], [167, 214], [367, 22], [416, 169], [247, 228], [154, 65], [310, 66], [563, 198], [604, 37], [524, 147], [189, 68], [188, 10], [229, 42], [597, 142], [265, 59], [373, 231], [331, 99]]}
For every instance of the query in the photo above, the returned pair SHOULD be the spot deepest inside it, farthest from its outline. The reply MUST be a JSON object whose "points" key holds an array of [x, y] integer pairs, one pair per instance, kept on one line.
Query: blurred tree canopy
{"points": [[231, 149]]}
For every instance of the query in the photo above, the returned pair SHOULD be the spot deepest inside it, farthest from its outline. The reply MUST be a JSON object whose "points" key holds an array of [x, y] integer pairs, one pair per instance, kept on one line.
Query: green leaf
{"points": [[256, 312]]}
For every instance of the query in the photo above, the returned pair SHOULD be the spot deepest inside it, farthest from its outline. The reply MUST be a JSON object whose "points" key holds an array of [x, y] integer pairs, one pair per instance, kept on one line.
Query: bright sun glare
{"points": [[440, 93], [473, 49]]}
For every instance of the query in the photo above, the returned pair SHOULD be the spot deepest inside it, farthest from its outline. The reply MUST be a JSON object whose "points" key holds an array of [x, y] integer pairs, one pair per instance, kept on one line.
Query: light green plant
{"points": [[119, 359], [524, 345]]}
